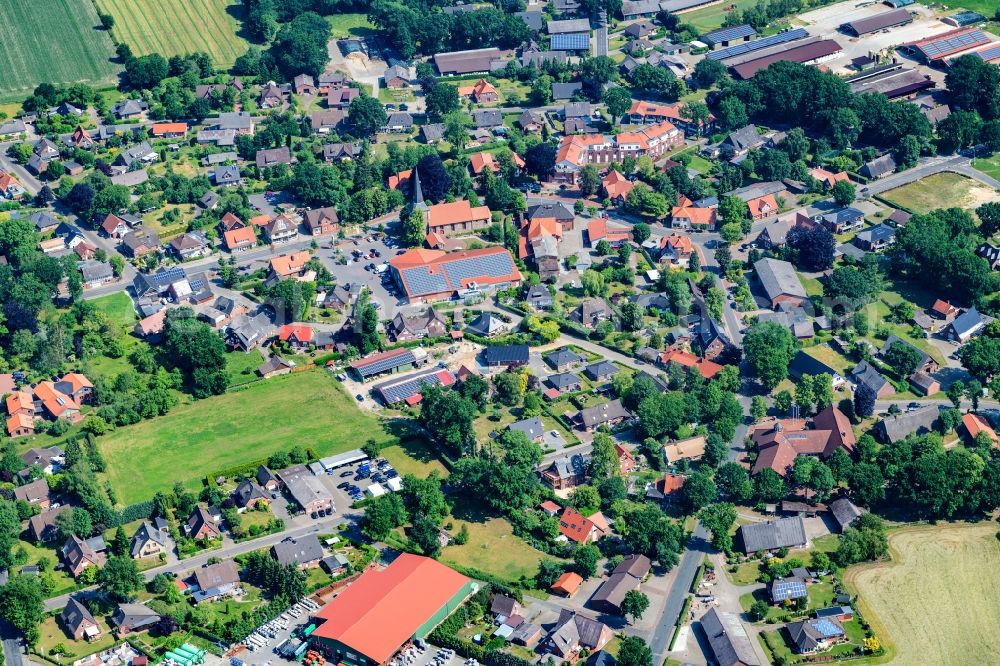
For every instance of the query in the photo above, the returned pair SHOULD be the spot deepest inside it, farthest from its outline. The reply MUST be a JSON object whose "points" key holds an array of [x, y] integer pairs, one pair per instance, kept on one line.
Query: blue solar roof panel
{"points": [[384, 364], [573, 41], [953, 44], [729, 34], [989, 54], [828, 628], [758, 44], [399, 390], [792, 589], [420, 281]]}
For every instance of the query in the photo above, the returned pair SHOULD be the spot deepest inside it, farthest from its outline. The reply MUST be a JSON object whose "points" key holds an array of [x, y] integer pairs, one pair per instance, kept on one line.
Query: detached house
{"points": [[202, 524], [273, 156], [79, 554], [321, 221], [78, 621], [281, 228], [148, 542]]}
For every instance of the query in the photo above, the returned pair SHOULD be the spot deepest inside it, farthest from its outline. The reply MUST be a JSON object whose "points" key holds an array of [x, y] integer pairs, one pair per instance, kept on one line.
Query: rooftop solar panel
{"points": [[383, 364], [573, 41], [788, 590], [828, 628], [758, 44], [399, 390], [954, 44], [729, 34], [988, 54]]}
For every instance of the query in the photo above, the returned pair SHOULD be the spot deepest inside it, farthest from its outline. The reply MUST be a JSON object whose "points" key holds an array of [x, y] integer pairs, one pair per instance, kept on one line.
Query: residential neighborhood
{"points": [[416, 334]]}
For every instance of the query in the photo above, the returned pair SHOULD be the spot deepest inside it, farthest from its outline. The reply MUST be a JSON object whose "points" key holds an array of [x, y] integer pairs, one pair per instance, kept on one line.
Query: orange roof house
{"points": [[828, 178], [481, 91], [260, 220], [57, 403], [944, 309], [295, 334], [457, 216], [708, 369], [287, 265], [616, 186], [976, 424], [484, 160], [240, 238], [567, 584], [20, 425], [599, 229], [428, 275], [686, 215], [400, 180], [576, 527], [20, 402], [230, 222], [169, 129], [383, 609], [762, 207]]}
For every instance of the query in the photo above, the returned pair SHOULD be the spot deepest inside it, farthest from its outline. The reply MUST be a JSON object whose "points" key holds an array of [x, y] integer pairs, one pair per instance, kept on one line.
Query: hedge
{"points": [[137, 511]]}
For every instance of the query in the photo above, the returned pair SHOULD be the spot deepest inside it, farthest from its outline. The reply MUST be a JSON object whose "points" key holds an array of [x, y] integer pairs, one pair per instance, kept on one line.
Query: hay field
{"points": [[178, 27], [938, 600]]}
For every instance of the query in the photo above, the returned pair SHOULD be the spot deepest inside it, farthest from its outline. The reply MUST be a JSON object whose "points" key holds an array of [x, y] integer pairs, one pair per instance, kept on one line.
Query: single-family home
{"points": [[202, 525], [566, 472], [78, 622], [79, 554], [132, 618], [148, 542], [304, 552]]}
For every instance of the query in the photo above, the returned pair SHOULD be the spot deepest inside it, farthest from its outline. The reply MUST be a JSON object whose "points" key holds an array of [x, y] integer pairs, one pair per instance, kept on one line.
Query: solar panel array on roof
{"points": [[383, 364], [572, 41], [451, 275], [788, 589], [966, 18], [954, 44], [828, 628], [758, 44], [729, 34], [398, 390], [988, 54]]}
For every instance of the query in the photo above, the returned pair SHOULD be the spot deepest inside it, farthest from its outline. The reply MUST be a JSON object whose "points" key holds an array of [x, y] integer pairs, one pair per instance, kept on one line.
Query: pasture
{"points": [[178, 27], [55, 41], [937, 601], [308, 409]]}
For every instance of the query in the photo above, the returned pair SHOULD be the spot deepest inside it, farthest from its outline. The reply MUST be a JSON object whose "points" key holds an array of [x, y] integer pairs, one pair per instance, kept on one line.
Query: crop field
{"points": [[941, 190], [307, 409], [938, 600], [178, 27], [56, 41]]}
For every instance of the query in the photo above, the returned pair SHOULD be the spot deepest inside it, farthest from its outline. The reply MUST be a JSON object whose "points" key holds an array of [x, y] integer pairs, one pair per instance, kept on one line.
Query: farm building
{"points": [[890, 19], [382, 610], [781, 533], [806, 54]]}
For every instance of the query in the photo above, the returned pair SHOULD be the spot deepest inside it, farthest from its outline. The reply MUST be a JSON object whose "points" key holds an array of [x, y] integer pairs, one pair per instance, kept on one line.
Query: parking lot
{"points": [[347, 484], [277, 639]]}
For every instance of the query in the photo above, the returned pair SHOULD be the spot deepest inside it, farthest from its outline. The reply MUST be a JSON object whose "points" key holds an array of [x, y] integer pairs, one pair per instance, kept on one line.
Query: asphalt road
{"points": [[11, 644]]}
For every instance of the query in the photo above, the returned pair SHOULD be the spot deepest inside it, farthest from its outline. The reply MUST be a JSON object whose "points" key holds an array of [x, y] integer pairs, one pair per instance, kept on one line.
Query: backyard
{"points": [[195, 439], [941, 190], [59, 41], [934, 602]]}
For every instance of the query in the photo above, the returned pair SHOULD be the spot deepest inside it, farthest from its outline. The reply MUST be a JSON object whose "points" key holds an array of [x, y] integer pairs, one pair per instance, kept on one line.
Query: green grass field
{"points": [[118, 308], [492, 547], [306, 409], [350, 25], [936, 601], [57, 41], [711, 17], [178, 27], [985, 7], [988, 165], [941, 190]]}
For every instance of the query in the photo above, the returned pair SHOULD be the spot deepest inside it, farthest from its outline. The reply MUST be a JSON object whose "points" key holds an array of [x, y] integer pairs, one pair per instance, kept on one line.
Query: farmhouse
{"points": [[900, 426], [780, 282], [384, 609], [728, 639], [772, 535]]}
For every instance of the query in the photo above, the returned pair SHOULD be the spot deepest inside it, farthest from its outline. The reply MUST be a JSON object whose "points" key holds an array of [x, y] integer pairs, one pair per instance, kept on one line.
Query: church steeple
{"points": [[418, 192]]}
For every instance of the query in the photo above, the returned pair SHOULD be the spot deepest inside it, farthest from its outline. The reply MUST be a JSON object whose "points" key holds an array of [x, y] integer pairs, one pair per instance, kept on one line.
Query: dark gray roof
{"points": [[568, 26], [743, 139], [637, 565], [865, 373], [564, 380], [728, 639], [506, 355], [896, 340], [576, 628], [134, 616], [967, 323], [844, 511], [603, 413], [487, 118], [613, 590], [532, 19], [145, 533], [878, 233], [563, 356], [879, 166], [804, 364], [900, 426], [76, 614], [565, 90], [781, 533], [807, 634], [532, 427], [569, 466], [778, 278], [603, 368], [299, 551]]}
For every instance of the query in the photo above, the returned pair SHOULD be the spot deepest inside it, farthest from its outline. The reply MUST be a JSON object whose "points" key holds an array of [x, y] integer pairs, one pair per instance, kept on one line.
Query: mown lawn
{"points": [[242, 368], [52, 634], [56, 41], [492, 547], [710, 18], [118, 308], [350, 25], [414, 456], [172, 27], [307, 409]]}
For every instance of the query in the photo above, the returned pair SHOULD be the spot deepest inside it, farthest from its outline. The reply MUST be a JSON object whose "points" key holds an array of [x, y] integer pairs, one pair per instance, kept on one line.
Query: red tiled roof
{"points": [[382, 610], [300, 332], [287, 264], [575, 526], [456, 212], [976, 424], [400, 179], [568, 583], [616, 185], [169, 128], [238, 237], [598, 229]]}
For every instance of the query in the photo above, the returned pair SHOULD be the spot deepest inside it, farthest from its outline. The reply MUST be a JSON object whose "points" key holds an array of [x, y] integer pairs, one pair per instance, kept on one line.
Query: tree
{"points": [[758, 610], [758, 407], [509, 387], [382, 515], [540, 160], [633, 651], [618, 101], [441, 99], [641, 232], [732, 113], [414, 228], [549, 572], [301, 46], [644, 201], [424, 535], [768, 486], [815, 247], [843, 192], [631, 316], [708, 72], [590, 180], [423, 496], [698, 491], [634, 604], [719, 519], [120, 578], [864, 400], [981, 357], [21, 604], [989, 218], [367, 116], [903, 358], [959, 130], [585, 559], [769, 349], [448, 416], [146, 71], [867, 483], [733, 481]]}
